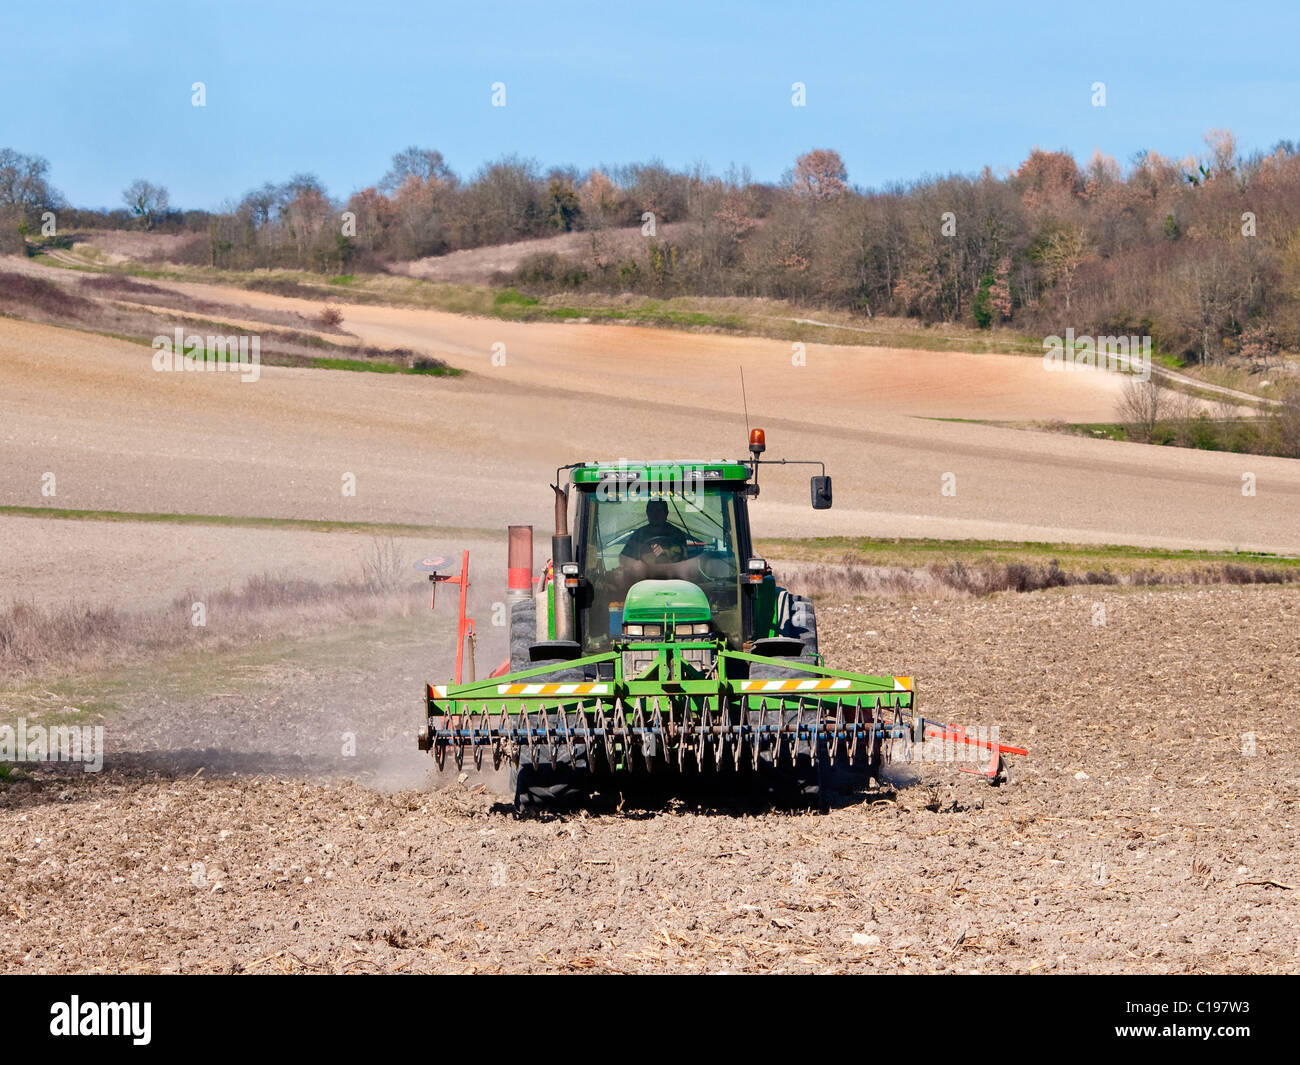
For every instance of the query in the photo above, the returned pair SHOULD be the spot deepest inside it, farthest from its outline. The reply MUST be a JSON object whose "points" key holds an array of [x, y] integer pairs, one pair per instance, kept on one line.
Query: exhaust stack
{"points": [[519, 562], [562, 552]]}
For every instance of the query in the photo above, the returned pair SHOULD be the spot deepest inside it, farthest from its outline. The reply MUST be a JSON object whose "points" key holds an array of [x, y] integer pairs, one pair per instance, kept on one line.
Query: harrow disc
{"points": [[551, 766], [789, 745]]}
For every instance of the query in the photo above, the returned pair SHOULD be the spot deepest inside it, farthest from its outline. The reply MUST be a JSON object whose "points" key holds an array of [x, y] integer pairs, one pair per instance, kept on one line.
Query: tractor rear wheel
{"points": [[541, 784], [797, 779], [523, 632], [803, 624], [537, 783], [788, 769]]}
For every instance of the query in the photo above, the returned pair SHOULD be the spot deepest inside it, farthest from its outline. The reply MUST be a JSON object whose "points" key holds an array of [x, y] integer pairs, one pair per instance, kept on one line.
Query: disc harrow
{"points": [[824, 721]]}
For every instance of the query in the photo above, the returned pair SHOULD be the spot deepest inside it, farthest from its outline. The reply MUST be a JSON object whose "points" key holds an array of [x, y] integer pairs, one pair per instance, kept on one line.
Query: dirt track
{"points": [[1139, 836]]}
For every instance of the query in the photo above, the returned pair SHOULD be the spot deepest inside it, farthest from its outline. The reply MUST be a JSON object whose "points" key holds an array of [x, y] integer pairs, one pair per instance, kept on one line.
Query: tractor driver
{"points": [[657, 540]]}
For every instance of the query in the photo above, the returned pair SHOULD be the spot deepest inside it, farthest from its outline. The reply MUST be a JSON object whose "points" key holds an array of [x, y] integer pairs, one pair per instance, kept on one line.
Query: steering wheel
{"points": [[665, 543]]}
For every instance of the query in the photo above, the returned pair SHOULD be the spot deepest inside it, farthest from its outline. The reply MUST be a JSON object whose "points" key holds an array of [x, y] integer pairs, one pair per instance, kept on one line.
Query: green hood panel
{"points": [[652, 601]]}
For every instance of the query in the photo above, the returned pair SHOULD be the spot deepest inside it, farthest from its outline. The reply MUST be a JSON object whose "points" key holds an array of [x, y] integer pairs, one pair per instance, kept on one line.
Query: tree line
{"points": [[1201, 253]]}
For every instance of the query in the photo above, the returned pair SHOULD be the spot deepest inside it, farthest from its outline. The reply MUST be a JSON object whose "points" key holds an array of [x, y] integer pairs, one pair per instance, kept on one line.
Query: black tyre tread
{"points": [[803, 623], [801, 784], [523, 632], [774, 670], [540, 785]]}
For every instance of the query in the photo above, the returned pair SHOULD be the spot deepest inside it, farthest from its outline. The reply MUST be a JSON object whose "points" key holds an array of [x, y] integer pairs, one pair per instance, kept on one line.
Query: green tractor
{"points": [[668, 650]]}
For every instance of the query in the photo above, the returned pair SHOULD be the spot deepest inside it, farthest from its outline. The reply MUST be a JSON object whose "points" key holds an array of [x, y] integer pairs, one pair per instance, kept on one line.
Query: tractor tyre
{"points": [[794, 778], [523, 632], [803, 624], [773, 670], [543, 783]]}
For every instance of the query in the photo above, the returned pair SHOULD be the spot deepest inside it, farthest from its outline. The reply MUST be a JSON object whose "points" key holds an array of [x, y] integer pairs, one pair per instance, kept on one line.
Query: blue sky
{"points": [[901, 90]]}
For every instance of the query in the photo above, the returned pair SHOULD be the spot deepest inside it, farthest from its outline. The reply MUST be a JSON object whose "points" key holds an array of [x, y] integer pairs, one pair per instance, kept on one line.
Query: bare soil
{"points": [[264, 809], [1150, 829], [477, 451]]}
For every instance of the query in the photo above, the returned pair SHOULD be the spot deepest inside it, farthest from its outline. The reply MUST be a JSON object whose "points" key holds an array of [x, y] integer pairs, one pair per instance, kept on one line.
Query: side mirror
{"points": [[821, 493]]}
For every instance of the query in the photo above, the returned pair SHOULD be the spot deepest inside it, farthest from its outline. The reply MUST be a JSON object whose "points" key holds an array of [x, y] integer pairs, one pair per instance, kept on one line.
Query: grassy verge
{"points": [[840, 568], [1121, 560], [861, 550], [378, 361], [1242, 436], [1096, 430], [362, 366], [40, 640]]}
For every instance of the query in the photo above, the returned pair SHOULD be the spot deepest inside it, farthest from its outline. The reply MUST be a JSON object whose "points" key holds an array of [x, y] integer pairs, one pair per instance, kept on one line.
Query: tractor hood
{"points": [[665, 601]]}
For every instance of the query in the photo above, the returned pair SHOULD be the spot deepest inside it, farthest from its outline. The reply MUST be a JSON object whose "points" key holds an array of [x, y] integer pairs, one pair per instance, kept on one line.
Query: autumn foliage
{"points": [[1201, 253]]}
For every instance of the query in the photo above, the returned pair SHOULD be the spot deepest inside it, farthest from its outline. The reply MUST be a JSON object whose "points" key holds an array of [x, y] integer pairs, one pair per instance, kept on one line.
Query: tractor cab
{"points": [[656, 540], [662, 550]]}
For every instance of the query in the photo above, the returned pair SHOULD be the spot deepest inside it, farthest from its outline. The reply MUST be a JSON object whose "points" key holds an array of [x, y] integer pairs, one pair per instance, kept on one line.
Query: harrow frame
{"points": [[671, 716]]}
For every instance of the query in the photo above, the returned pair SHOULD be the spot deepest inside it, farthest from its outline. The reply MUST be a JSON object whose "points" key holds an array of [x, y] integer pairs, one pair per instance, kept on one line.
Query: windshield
{"points": [[630, 534]]}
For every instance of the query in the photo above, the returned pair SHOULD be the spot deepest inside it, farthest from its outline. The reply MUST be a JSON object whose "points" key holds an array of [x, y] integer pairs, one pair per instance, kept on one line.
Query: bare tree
{"points": [[1225, 409], [653, 187], [419, 213], [261, 204], [306, 213], [600, 200], [1288, 422], [23, 186], [505, 201], [147, 202], [426, 164], [1222, 159], [1062, 252], [1141, 406], [1184, 414], [1211, 293]]}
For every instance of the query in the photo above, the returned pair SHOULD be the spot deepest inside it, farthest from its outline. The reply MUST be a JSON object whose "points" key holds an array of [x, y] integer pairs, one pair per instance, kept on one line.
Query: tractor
{"points": [[668, 651]]}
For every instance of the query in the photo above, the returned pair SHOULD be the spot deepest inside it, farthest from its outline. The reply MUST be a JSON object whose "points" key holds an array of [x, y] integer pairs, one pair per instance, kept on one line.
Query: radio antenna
{"points": [[744, 399]]}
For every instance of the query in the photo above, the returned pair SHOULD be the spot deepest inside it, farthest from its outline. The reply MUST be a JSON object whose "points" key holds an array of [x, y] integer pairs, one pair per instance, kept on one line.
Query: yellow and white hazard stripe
{"points": [[439, 691], [552, 689], [824, 684]]}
